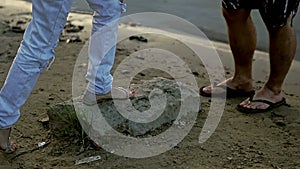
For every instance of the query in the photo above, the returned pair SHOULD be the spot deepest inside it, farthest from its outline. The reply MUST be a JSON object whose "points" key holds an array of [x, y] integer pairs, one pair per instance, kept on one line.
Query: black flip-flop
{"points": [[252, 111], [230, 93]]}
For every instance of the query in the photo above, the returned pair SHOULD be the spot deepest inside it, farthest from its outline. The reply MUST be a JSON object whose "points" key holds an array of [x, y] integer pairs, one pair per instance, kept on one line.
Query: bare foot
{"points": [[263, 94], [245, 85], [6, 144]]}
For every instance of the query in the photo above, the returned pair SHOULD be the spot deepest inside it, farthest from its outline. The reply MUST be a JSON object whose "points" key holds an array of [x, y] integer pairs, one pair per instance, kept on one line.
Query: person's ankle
{"points": [[3, 146], [241, 83], [3, 141], [276, 91]]}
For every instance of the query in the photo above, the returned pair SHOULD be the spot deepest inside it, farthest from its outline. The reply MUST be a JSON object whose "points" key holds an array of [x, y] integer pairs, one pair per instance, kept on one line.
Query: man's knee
{"points": [[274, 27], [236, 15]]}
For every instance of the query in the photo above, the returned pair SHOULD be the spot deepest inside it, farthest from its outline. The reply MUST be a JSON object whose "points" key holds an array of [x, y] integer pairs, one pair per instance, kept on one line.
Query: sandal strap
{"points": [[8, 146], [265, 101]]}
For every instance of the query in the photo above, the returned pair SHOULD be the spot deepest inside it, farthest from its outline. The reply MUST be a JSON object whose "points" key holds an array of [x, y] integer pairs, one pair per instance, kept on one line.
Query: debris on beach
{"points": [[133, 24], [71, 33], [71, 28], [87, 160], [140, 57], [41, 144], [73, 39], [125, 72], [138, 38], [44, 121], [69, 38], [18, 25]]}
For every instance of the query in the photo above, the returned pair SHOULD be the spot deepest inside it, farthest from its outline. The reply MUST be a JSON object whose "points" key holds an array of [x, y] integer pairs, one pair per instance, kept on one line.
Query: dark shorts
{"points": [[275, 13]]}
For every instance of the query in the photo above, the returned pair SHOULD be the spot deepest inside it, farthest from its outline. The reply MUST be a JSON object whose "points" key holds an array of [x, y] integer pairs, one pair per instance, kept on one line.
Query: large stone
{"points": [[160, 97]]}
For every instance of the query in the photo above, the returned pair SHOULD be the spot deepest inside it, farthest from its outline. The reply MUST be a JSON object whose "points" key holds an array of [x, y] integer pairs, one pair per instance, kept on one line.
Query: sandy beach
{"points": [[268, 140]]}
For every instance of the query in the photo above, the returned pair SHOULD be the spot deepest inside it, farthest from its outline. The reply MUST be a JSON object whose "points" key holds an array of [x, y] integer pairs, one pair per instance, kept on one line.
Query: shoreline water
{"points": [[209, 13]]}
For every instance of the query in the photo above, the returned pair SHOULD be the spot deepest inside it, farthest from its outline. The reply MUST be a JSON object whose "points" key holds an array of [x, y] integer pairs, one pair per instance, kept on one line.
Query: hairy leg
{"points": [[282, 51], [242, 40]]}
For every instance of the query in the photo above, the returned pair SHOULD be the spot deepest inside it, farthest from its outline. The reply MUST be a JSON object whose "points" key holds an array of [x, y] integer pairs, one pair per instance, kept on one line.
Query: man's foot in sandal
{"points": [[263, 101], [6, 145], [232, 89], [118, 93]]}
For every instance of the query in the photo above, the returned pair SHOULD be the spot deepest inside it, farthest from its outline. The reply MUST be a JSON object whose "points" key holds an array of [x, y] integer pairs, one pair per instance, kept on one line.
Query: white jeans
{"points": [[37, 50]]}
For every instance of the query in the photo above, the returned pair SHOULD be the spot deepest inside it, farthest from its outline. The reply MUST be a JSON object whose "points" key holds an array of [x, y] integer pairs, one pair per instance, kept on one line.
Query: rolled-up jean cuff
{"points": [[10, 121], [4, 128]]}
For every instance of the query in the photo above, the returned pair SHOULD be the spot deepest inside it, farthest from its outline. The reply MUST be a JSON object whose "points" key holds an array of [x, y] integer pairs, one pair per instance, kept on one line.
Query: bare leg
{"points": [[4, 138], [242, 40], [282, 51]]}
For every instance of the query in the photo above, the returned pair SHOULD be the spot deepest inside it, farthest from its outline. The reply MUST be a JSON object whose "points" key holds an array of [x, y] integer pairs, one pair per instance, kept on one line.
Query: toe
{"points": [[207, 89], [13, 146], [245, 102]]}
